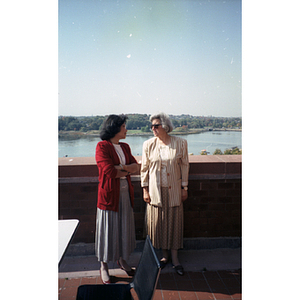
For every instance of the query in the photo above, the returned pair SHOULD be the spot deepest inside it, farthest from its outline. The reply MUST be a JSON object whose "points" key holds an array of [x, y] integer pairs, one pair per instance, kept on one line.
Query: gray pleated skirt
{"points": [[115, 231]]}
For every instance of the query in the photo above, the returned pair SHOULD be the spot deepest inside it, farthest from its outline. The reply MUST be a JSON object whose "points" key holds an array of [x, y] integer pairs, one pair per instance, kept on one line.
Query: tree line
{"points": [[141, 122]]}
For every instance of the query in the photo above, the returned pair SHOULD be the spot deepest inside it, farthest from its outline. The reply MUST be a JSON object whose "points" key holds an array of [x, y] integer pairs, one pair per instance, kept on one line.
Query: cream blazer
{"points": [[177, 169]]}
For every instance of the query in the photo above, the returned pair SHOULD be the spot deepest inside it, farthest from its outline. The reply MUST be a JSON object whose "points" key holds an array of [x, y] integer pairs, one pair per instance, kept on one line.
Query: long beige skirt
{"points": [[164, 224]]}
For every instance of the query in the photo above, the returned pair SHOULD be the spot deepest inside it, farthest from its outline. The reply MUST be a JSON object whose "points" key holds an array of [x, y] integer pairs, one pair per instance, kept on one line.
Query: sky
{"points": [[180, 57]]}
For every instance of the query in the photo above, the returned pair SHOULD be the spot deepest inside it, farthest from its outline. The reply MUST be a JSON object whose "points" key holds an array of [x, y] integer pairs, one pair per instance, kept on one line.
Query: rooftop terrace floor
{"points": [[209, 274]]}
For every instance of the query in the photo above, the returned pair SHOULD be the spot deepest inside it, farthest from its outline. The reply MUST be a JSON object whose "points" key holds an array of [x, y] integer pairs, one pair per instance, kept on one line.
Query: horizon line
{"points": [[205, 116]]}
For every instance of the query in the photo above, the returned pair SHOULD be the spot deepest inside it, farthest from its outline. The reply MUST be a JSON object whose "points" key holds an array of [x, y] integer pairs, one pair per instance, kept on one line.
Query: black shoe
{"points": [[179, 270], [163, 263]]}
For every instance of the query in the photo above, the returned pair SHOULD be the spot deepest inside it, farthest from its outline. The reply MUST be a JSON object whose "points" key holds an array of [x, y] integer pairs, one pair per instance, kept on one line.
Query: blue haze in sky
{"points": [[180, 57]]}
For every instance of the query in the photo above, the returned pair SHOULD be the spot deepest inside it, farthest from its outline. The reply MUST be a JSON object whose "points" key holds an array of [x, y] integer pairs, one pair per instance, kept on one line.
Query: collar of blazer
{"points": [[172, 148]]}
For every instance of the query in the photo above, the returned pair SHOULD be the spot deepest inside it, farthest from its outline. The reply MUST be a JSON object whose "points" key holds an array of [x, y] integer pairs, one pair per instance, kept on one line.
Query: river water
{"points": [[210, 141]]}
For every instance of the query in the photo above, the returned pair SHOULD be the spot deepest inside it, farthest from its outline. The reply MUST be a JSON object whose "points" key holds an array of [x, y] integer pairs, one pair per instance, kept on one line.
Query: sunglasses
{"points": [[155, 126]]}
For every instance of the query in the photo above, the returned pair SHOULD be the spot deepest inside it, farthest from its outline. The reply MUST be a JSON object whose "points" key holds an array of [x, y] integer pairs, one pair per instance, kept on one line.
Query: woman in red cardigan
{"points": [[115, 230]]}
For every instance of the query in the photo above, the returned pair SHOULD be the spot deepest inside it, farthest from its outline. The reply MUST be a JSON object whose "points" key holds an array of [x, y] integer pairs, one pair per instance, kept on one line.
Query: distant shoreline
{"points": [[95, 133]]}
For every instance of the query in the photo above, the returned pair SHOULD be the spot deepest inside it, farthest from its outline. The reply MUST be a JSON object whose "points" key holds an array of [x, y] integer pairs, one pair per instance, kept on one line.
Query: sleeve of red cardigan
{"points": [[104, 160]]}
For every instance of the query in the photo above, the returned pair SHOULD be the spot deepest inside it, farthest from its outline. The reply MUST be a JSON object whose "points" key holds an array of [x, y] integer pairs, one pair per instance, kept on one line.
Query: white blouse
{"points": [[164, 156], [121, 155]]}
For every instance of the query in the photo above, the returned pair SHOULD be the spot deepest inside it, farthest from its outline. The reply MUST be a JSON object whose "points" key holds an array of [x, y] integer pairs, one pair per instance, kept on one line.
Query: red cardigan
{"points": [[109, 185]]}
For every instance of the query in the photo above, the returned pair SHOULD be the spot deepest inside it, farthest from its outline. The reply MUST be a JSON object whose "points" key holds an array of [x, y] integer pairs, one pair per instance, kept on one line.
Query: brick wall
{"points": [[213, 208], [79, 201]]}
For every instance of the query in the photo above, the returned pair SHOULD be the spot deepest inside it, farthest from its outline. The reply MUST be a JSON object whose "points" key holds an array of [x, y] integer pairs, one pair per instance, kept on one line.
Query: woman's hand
{"points": [[184, 195], [124, 170], [121, 172], [146, 195], [132, 168]]}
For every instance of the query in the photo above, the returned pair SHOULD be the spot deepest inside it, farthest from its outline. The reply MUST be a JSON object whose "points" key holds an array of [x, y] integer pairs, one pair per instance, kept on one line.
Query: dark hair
{"points": [[111, 126]]}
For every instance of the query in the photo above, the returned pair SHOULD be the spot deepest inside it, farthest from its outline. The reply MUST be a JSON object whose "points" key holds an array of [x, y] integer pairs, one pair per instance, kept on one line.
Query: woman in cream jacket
{"points": [[164, 178]]}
